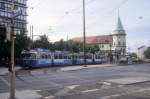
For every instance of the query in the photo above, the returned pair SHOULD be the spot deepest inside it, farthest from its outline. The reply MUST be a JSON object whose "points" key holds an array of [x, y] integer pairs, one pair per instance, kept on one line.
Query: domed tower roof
{"points": [[119, 27]]}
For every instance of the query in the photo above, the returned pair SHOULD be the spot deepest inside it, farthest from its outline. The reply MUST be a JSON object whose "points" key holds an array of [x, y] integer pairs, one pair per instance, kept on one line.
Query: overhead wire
{"points": [[78, 8], [108, 12]]}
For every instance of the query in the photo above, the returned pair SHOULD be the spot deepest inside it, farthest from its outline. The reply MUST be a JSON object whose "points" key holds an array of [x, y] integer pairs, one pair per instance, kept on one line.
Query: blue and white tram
{"points": [[36, 58], [61, 58], [99, 58], [89, 58], [44, 58], [78, 58]]}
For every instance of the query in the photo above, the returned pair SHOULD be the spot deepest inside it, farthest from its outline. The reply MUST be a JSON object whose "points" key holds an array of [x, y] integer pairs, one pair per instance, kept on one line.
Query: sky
{"points": [[59, 19]]}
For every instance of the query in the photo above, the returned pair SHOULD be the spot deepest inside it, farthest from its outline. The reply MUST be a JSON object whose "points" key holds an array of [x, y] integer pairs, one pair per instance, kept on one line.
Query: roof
{"points": [[119, 27], [95, 39]]}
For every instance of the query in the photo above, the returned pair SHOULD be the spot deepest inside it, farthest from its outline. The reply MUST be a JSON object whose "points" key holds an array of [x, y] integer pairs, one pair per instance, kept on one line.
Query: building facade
{"points": [[116, 42], [140, 52], [20, 22], [119, 38]]}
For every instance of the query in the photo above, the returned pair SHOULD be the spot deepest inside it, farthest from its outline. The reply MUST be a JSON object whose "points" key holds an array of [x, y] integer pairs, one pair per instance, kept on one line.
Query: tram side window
{"points": [[66, 57], [89, 57], [98, 57], [49, 56], [33, 56], [44, 56], [81, 57], [69, 57], [60, 57], [56, 56]]}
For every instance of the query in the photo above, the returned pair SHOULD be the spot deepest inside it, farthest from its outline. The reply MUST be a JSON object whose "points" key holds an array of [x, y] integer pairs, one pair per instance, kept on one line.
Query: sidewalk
{"points": [[4, 70], [27, 94]]}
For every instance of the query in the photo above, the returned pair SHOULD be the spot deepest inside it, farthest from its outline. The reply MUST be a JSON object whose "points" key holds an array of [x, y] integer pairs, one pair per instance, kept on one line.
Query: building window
{"points": [[2, 5], [102, 46], [119, 43], [114, 44], [124, 44]]}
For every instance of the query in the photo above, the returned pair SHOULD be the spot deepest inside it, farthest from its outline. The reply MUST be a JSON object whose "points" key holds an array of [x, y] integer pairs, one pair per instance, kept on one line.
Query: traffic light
{"points": [[8, 32], [5, 32], [2, 32]]}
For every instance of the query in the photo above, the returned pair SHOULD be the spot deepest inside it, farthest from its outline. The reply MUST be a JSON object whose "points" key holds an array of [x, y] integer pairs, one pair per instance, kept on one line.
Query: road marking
{"points": [[49, 97], [72, 86], [38, 90], [107, 83], [5, 81], [111, 96], [92, 90]]}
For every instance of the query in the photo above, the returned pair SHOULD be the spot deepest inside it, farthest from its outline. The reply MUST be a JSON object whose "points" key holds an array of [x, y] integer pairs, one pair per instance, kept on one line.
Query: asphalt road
{"points": [[116, 82]]}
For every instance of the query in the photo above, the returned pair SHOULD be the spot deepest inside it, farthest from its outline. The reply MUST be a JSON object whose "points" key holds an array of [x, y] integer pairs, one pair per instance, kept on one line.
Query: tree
{"points": [[22, 41], [42, 42], [92, 48], [60, 45], [147, 53], [134, 55]]}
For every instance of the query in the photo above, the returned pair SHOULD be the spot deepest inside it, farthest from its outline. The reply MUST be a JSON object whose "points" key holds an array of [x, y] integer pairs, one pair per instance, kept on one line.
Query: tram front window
{"points": [[28, 56]]}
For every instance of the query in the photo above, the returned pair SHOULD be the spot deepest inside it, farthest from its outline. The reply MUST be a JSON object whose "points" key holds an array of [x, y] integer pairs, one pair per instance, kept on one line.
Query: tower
{"points": [[119, 38]]}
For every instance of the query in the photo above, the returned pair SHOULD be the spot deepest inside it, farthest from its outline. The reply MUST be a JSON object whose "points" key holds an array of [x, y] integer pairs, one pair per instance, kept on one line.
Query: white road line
{"points": [[5, 81], [38, 90], [107, 83], [72, 86], [111, 96], [49, 97], [92, 90]]}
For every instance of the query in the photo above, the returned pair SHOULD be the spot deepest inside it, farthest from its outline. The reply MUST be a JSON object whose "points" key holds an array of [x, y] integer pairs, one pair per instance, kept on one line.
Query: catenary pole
{"points": [[12, 72], [84, 34]]}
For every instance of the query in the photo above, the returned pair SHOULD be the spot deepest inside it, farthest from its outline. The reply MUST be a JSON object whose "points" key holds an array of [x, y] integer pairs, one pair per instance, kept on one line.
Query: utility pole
{"points": [[84, 35], [12, 72], [31, 27], [32, 32]]}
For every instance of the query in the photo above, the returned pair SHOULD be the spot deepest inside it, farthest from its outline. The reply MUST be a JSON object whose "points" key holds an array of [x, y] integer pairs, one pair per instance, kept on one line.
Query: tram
{"points": [[44, 58]]}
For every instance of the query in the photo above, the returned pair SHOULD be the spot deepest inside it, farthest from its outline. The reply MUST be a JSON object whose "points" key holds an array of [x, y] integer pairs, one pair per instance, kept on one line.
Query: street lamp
{"points": [[12, 72], [84, 35]]}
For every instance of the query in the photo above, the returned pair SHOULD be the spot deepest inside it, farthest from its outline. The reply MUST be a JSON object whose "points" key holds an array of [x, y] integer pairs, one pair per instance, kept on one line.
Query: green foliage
{"points": [[62, 45], [4, 49], [21, 42], [147, 53], [134, 55], [42, 42]]}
